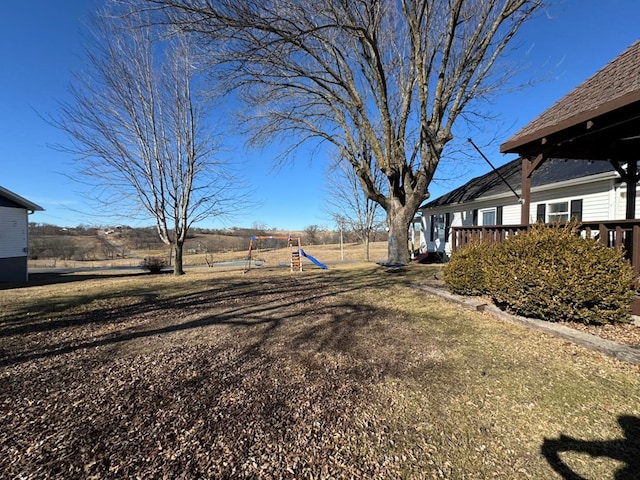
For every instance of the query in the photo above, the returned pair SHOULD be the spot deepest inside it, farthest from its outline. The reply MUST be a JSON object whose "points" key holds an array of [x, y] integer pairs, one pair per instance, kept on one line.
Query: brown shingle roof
{"points": [[614, 86]]}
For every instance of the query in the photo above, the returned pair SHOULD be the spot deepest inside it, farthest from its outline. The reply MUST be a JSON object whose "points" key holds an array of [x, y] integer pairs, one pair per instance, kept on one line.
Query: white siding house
{"points": [[14, 235], [561, 190]]}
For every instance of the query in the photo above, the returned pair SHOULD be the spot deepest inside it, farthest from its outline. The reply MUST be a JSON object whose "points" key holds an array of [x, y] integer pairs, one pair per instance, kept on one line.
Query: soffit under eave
{"points": [[593, 135]]}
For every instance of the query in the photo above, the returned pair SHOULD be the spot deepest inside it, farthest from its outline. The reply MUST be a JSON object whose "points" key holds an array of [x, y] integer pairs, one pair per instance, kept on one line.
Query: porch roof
{"points": [[598, 120]]}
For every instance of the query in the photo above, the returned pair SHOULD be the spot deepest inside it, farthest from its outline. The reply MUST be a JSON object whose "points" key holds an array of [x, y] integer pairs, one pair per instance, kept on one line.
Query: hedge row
{"points": [[550, 273]]}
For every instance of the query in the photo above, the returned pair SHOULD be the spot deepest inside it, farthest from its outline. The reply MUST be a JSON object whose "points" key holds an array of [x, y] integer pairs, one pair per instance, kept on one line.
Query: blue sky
{"points": [[41, 46]]}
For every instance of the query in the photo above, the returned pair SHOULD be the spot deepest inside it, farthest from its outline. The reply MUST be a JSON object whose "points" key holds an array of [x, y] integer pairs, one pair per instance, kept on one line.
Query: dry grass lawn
{"points": [[349, 373]]}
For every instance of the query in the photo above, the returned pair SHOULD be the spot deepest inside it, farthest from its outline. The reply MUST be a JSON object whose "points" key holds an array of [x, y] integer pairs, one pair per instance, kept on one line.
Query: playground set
{"points": [[258, 244]]}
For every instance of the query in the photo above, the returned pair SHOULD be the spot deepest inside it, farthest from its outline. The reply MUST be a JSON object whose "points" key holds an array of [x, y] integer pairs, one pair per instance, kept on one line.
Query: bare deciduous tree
{"points": [[348, 205], [136, 127], [392, 74], [311, 233]]}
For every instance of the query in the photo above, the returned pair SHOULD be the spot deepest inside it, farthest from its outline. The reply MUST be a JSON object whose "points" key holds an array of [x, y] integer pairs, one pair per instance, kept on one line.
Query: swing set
{"points": [[263, 247]]}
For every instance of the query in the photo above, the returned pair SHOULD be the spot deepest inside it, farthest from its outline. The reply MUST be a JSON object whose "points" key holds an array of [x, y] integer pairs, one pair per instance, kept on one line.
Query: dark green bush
{"points": [[153, 264], [550, 273], [554, 274], [465, 272]]}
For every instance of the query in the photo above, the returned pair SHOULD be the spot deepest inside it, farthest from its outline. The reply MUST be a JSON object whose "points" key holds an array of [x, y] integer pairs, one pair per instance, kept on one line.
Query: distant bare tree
{"points": [[395, 75], [136, 128], [311, 233], [259, 228], [349, 206], [59, 247]]}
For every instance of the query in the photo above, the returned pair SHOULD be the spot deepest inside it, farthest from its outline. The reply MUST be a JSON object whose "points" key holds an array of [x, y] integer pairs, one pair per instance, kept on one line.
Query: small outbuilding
{"points": [[14, 235]]}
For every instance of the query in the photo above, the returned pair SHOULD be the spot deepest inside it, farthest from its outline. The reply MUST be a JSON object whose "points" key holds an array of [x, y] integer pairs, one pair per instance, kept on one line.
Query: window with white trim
{"points": [[558, 212], [440, 226], [488, 216]]}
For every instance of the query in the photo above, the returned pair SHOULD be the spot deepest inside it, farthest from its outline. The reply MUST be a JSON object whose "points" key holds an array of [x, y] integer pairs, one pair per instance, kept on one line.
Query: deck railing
{"points": [[612, 233]]}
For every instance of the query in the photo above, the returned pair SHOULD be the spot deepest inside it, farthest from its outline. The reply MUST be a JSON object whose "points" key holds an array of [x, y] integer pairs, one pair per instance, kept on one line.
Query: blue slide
{"points": [[317, 262]]}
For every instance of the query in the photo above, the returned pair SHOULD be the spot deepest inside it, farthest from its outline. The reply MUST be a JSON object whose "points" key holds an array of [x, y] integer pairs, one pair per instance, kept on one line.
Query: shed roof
{"points": [[21, 201], [552, 171], [616, 85]]}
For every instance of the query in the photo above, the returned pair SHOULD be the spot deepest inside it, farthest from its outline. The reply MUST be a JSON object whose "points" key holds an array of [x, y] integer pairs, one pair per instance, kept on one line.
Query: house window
{"points": [[576, 210], [440, 226], [489, 217], [558, 212]]}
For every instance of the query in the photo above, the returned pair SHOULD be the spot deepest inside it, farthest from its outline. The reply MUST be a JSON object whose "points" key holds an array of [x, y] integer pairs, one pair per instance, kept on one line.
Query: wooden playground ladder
{"points": [[296, 263]]}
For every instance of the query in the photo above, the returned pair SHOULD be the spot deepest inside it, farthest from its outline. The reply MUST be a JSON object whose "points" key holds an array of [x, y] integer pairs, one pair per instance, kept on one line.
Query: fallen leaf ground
{"points": [[349, 373]]}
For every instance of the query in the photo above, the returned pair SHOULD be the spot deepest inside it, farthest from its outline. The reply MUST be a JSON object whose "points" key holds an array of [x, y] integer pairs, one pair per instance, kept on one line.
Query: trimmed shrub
{"points": [[153, 264], [552, 273], [465, 272]]}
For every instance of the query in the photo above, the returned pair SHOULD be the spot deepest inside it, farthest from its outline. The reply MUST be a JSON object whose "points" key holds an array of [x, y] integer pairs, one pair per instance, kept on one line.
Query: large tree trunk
{"points": [[177, 257], [398, 250]]}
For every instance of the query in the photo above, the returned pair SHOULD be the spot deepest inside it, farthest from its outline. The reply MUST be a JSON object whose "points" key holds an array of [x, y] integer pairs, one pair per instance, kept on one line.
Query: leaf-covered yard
{"points": [[351, 373]]}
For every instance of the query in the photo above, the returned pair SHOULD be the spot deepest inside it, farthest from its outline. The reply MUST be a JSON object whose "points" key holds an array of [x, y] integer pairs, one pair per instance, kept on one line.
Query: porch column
{"points": [[631, 179], [525, 193], [529, 165]]}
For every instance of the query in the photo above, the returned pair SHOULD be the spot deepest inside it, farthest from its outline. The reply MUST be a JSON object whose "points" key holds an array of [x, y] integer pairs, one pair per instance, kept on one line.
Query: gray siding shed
{"points": [[14, 235]]}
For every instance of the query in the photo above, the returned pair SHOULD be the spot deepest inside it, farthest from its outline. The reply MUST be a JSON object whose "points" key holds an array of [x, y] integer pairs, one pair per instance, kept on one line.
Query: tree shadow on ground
{"points": [[216, 409], [625, 450], [266, 303], [53, 278], [248, 377]]}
